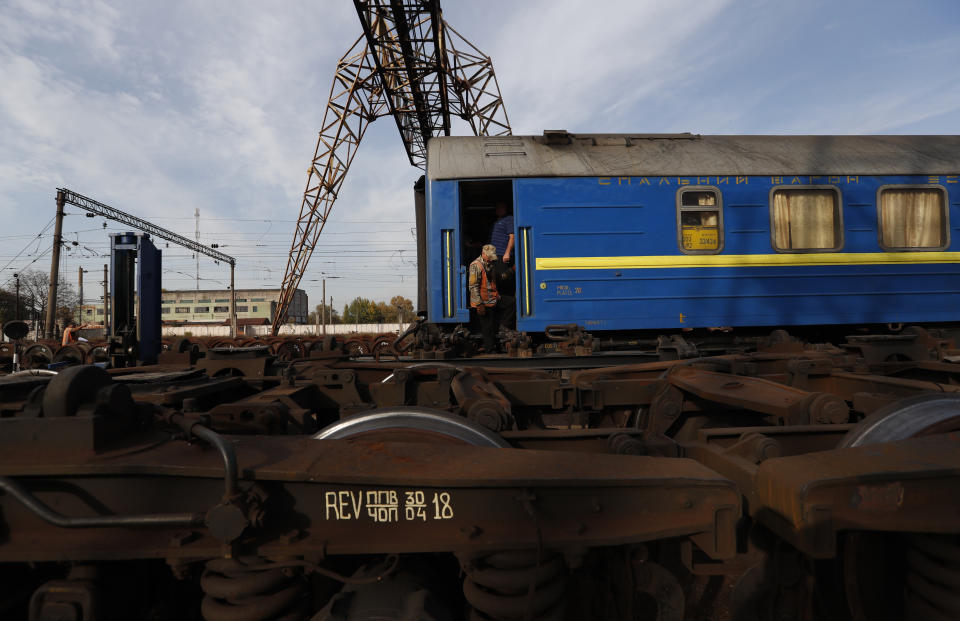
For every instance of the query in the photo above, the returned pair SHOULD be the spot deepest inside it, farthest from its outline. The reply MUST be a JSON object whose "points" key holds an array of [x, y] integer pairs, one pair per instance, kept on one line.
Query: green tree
{"points": [[398, 306], [405, 307], [332, 315], [360, 310]]}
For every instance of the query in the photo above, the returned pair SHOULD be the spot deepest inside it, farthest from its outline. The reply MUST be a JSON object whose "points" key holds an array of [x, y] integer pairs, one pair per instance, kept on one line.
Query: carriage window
{"points": [[701, 230], [912, 218], [806, 219]]}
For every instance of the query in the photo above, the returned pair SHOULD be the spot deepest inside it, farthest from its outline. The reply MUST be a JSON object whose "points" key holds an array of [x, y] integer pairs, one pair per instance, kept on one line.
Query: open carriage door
{"points": [[478, 202]]}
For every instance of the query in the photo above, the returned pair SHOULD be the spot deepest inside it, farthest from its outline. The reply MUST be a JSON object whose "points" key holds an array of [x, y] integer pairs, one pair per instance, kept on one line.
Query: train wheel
{"points": [[411, 424], [181, 345], [99, 353], [285, 348], [383, 346], [37, 356], [919, 415], [75, 353], [909, 576], [356, 346]]}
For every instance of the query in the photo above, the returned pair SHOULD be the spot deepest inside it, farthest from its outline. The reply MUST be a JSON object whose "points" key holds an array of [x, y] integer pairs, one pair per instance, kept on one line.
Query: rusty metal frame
{"points": [[409, 64], [696, 459], [516, 498]]}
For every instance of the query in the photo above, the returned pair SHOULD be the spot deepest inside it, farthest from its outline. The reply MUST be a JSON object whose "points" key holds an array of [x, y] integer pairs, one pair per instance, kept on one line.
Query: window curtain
{"points": [[912, 218], [804, 219]]}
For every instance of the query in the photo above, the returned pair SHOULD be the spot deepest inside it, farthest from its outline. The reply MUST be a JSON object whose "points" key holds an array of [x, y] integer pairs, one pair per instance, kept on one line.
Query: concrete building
{"points": [[213, 306], [90, 313]]}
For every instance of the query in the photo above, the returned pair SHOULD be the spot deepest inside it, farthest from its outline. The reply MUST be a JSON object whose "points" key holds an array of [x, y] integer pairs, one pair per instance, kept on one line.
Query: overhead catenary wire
{"points": [[33, 239], [24, 268], [379, 260]]}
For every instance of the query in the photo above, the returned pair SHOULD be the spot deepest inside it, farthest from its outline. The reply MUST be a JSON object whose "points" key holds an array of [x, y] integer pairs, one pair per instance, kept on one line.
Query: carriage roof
{"points": [[560, 154]]}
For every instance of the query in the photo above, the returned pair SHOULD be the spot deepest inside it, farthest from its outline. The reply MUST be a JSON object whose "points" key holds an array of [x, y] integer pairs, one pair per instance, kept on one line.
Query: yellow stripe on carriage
{"points": [[745, 260]]}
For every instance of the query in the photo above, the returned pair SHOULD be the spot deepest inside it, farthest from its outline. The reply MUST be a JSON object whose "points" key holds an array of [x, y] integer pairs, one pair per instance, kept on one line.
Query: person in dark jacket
{"points": [[502, 238]]}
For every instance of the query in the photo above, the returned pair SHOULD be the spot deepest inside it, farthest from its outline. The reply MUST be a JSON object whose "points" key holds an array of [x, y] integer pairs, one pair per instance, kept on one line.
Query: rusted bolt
{"points": [[827, 409], [226, 522], [767, 449]]}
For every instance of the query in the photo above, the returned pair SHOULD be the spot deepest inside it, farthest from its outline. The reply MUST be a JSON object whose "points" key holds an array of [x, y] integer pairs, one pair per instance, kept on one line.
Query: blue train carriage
{"points": [[665, 232]]}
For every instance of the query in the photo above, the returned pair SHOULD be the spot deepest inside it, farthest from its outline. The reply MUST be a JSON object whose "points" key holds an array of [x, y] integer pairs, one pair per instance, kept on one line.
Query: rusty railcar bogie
{"points": [[294, 482]]}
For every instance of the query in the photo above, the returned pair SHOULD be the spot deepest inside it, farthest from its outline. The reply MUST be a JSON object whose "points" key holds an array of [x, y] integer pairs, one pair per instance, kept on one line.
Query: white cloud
{"points": [[161, 108], [561, 66], [90, 24]]}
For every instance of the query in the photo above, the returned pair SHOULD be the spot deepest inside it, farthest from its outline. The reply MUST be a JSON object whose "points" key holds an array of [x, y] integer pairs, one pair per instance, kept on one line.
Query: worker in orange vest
{"points": [[492, 308], [70, 332]]}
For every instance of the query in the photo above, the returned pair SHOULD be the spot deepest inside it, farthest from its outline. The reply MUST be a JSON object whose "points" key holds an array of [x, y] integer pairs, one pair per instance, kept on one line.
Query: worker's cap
{"points": [[490, 249]]}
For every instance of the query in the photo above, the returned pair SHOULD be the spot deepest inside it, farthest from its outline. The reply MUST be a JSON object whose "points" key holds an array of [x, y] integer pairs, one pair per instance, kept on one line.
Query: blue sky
{"points": [[159, 109]]}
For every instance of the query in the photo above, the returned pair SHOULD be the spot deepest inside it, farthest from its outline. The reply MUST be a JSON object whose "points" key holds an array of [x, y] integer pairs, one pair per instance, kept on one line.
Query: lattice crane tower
{"points": [[410, 64]]}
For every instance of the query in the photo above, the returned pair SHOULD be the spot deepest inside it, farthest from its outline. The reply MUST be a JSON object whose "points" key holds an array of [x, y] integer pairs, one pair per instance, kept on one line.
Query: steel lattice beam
{"points": [[96, 207], [413, 66]]}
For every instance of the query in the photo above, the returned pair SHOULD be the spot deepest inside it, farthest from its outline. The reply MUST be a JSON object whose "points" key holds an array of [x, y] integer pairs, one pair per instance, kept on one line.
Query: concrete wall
{"points": [[311, 330]]}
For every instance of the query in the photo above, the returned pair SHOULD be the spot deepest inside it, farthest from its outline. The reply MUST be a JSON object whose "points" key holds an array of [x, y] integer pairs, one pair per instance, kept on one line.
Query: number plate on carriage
{"points": [[389, 505]]}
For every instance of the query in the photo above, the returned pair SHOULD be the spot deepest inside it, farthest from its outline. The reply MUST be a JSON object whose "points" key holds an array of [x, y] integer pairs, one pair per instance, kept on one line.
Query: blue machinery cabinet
{"points": [[135, 286]]}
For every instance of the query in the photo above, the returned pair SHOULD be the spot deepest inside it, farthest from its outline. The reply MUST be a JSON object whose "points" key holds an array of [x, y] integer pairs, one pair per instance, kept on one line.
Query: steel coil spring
{"points": [[251, 590], [933, 577], [515, 585]]}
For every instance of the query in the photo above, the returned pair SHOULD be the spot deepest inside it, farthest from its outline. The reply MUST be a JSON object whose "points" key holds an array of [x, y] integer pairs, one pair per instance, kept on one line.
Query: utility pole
{"points": [[233, 302], [54, 270], [16, 277], [106, 309], [196, 234], [80, 304], [323, 306]]}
